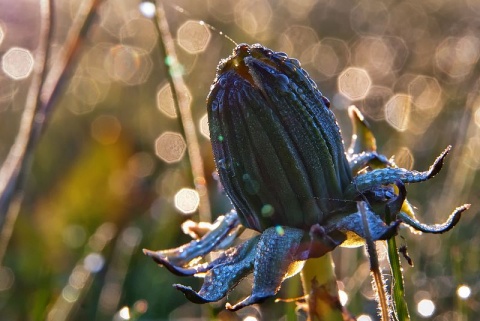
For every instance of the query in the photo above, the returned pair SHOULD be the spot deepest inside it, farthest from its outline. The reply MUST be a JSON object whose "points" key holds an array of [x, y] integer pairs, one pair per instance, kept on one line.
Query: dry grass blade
{"points": [[43, 91], [180, 94], [18, 159]]}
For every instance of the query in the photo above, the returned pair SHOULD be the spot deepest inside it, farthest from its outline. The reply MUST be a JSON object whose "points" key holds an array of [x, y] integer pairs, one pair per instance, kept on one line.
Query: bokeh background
{"points": [[110, 175]]}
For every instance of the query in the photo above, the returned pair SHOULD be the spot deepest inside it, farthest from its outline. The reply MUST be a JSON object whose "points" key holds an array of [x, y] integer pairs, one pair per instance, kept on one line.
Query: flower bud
{"points": [[277, 145]]}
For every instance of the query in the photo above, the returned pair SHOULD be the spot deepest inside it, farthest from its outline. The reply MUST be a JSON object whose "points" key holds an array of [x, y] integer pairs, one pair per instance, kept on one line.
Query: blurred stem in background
{"points": [[18, 161], [43, 93], [182, 106]]}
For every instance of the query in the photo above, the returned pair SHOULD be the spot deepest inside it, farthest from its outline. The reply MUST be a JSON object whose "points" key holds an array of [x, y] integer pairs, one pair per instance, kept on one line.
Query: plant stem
{"points": [[180, 98], [18, 161], [398, 290], [320, 285], [375, 266], [41, 98]]}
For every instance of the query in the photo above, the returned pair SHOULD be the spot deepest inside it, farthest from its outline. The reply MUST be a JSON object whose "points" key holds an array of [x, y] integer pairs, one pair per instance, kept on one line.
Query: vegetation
{"points": [[103, 152]]}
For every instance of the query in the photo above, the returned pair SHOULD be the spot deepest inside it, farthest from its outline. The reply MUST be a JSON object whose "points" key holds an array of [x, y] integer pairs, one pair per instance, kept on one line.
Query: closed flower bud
{"points": [[277, 145]]}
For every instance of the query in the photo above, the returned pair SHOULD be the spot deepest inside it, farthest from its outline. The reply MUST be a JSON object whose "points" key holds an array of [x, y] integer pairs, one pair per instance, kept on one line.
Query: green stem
{"points": [[320, 284], [398, 290]]}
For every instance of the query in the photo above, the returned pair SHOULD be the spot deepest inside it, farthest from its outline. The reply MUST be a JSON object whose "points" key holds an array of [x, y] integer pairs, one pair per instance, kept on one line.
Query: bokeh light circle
{"points": [[187, 200], [426, 308], [354, 83], [397, 111], [193, 36], [17, 63], [170, 147]]}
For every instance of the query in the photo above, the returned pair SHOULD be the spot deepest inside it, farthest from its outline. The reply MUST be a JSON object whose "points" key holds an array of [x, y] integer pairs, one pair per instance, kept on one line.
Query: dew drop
{"points": [[222, 82], [283, 82], [295, 62], [326, 101]]}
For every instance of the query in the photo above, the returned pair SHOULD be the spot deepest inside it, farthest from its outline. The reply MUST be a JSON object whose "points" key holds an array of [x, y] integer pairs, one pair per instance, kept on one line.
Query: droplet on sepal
{"points": [[295, 62], [326, 101], [283, 82], [222, 81]]}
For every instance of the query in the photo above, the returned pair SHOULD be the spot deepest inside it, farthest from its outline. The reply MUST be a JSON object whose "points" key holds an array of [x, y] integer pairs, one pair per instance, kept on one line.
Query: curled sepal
{"points": [[395, 205], [366, 181], [224, 273], [373, 160], [435, 228], [175, 269], [354, 223], [275, 261], [182, 255]]}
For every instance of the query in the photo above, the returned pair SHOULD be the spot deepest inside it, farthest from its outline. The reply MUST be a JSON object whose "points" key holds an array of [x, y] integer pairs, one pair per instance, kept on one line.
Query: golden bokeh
{"points": [[170, 147], [354, 83], [165, 102], [193, 36], [139, 33], [397, 111], [130, 65], [203, 126], [456, 56], [106, 129]]}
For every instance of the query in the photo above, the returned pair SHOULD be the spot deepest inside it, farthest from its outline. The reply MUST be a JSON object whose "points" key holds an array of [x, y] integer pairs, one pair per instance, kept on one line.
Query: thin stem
{"points": [[398, 289], [125, 247], [18, 158], [56, 78], [82, 274], [17, 163], [180, 98], [375, 266], [41, 98], [400, 311]]}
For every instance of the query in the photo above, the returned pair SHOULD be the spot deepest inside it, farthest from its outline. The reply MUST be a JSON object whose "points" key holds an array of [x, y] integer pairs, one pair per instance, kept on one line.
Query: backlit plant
{"points": [[281, 160]]}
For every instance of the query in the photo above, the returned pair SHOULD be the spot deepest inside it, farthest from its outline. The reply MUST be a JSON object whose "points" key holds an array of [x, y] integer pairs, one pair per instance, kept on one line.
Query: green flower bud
{"points": [[277, 145]]}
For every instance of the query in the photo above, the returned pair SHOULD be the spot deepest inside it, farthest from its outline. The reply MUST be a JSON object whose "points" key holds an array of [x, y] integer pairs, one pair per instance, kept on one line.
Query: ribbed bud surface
{"points": [[277, 145]]}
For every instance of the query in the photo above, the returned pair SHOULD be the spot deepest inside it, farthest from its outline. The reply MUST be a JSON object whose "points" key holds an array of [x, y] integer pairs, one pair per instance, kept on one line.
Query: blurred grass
{"points": [[83, 178]]}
